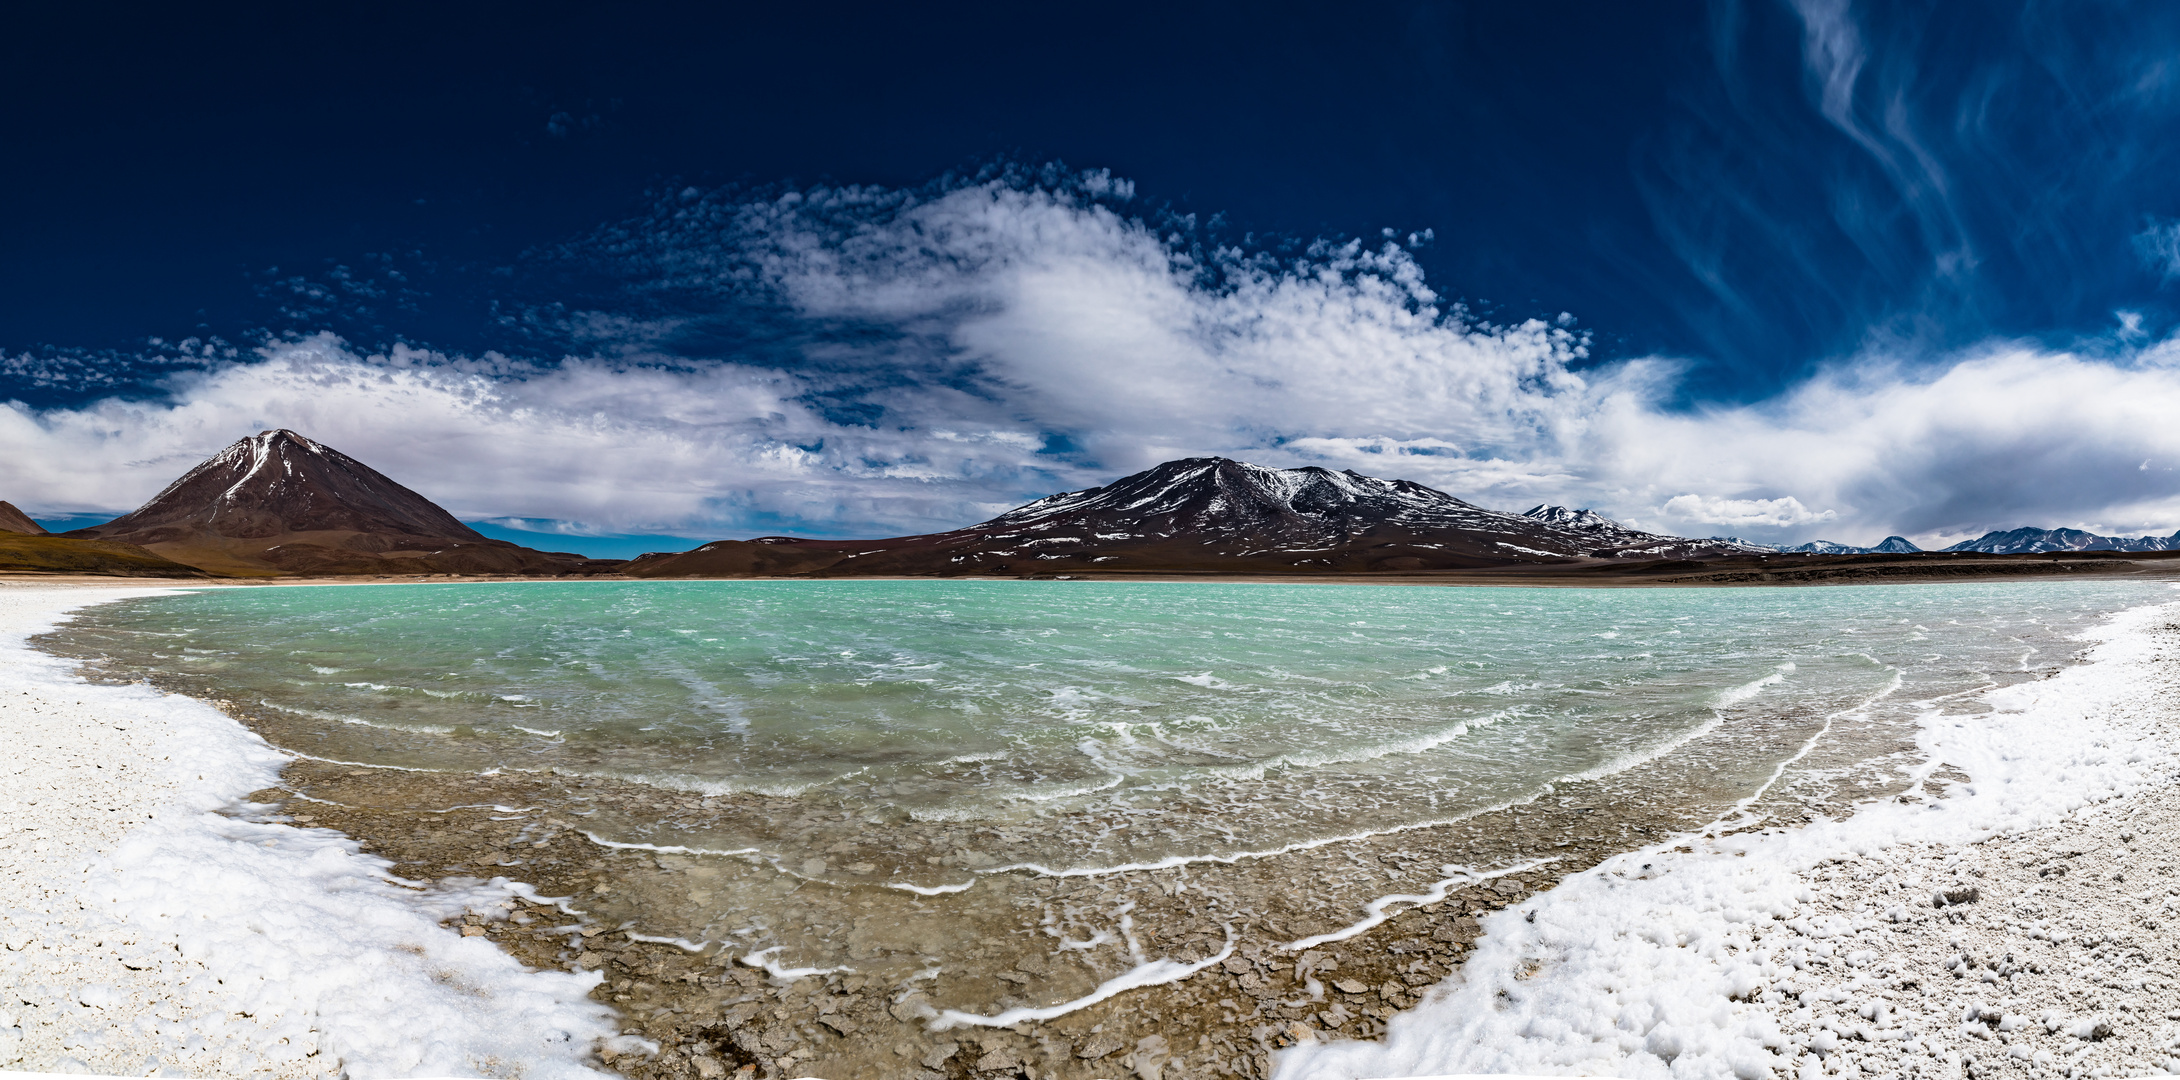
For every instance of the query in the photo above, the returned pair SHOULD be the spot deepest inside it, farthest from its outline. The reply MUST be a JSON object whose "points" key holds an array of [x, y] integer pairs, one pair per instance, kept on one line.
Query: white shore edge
{"points": [[144, 932], [1830, 950]]}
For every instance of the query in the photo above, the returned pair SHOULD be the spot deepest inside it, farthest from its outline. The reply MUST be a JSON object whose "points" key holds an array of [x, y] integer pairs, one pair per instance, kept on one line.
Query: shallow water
{"points": [[1247, 717], [972, 744]]}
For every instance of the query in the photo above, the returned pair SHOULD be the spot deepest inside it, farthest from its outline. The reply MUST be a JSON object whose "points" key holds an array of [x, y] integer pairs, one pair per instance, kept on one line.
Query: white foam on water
{"points": [[313, 950], [1640, 966], [696, 785], [1144, 973], [1304, 760], [1381, 908], [365, 764], [1738, 815], [931, 890], [1172, 861], [1617, 765], [1747, 691], [1072, 791], [344, 718], [1724, 700], [762, 958], [682, 943], [497, 808], [663, 849]]}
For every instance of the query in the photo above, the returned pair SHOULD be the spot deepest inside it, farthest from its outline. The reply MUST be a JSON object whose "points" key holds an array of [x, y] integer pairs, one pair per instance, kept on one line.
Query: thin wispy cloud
{"points": [[2159, 246], [1922, 184]]}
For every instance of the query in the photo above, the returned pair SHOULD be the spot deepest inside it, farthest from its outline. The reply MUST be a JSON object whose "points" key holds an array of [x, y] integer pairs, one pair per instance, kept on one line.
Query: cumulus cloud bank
{"points": [[928, 357]]}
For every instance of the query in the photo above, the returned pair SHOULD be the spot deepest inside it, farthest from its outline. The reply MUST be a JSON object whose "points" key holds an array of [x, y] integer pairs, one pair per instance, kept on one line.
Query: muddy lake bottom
{"points": [[715, 1013]]}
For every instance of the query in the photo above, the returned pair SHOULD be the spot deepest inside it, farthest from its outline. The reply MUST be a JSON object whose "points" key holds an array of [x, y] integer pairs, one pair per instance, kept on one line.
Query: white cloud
{"points": [[1012, 340], [623, 448], [1768, 513], [2007, 436]]}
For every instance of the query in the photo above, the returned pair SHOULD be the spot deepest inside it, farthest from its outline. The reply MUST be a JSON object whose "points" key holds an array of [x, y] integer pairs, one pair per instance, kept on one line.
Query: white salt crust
{"points": [[142, 931], [1826, 951]]}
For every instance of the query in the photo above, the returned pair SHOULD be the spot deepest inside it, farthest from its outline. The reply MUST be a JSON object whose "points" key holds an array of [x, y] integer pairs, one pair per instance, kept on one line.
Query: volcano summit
{"points": [[1200, 515], [277, 502]]}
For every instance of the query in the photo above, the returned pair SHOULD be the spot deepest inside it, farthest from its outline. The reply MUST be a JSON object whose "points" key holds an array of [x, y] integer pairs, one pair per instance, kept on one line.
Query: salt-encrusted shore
{"points": [[2013, 915], [146, 928]]}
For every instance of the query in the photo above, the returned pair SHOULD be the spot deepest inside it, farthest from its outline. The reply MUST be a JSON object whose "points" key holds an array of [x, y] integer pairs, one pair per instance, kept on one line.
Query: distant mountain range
{"points": [[277, 504], [1212, 514], [1892, 545], [2025, 540]]}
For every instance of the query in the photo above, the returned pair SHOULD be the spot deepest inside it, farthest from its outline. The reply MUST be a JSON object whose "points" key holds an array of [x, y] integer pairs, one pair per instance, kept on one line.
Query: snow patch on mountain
{"points": [[1218, 500], [1891, 545], [2030, 540]]}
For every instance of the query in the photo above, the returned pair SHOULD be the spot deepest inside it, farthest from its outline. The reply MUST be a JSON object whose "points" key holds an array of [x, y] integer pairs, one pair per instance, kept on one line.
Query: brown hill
{"points": [[1211, 515], [15, 521], [23, 553], [278, 503]]}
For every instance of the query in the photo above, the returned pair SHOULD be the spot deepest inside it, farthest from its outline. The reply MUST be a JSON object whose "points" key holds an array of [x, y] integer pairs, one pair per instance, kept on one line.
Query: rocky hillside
{"points": [[1213, 515], [2026, 540], [15, 521]]}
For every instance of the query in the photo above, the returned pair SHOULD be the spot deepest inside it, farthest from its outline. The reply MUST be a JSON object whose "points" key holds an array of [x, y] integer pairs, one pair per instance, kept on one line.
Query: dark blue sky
{"points": [[1754, 190]]}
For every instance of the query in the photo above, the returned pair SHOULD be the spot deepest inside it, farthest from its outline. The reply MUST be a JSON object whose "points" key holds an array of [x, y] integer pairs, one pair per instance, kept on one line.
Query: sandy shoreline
{"points": [[1231, 1019]]}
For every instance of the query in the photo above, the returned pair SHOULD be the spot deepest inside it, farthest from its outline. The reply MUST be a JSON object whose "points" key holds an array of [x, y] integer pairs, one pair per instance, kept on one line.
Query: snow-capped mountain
{"points": [[1203, 514], [1571, 518], [1891, 545], [277, 501], [279, 481], [1243, 509], [2027, 540], [1628, 541]]}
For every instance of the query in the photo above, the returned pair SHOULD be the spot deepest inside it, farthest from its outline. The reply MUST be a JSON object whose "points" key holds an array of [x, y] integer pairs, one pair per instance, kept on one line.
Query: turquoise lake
{"points": [[1098, 724]]}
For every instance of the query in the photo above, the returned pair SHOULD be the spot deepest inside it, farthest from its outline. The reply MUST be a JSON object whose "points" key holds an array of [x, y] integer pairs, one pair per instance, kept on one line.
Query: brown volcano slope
{"points": [[1211, 515], [15, 521], [23, 553], [277, 503]]}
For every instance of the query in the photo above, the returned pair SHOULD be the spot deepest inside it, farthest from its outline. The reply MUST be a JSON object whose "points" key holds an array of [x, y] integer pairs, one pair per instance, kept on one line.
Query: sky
{"points": [[614, 278]]}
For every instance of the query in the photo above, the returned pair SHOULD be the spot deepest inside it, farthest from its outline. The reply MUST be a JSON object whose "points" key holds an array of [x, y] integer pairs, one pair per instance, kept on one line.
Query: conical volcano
{"points": [[279, 482], [278, 502]]}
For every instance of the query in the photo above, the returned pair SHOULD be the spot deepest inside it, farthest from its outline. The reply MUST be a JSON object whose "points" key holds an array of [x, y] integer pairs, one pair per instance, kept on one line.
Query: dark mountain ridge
{"points": [[1212, 515], [2029, 540], [279, 503]]}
